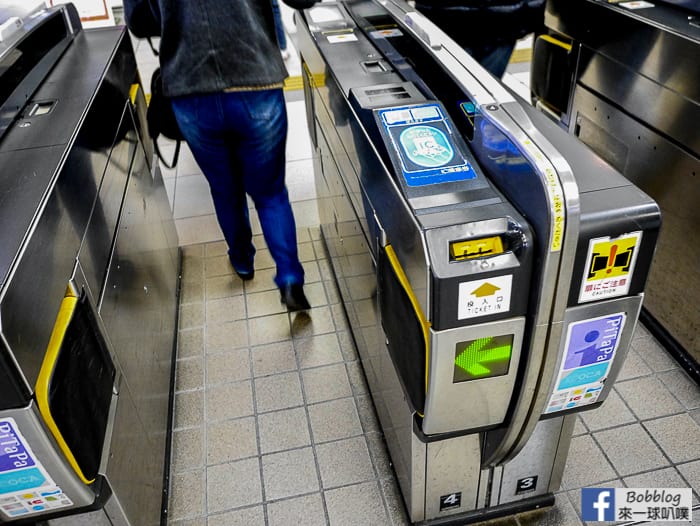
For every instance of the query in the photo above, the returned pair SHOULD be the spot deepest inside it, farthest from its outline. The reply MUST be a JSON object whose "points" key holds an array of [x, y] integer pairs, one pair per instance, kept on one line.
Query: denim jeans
{"points": [[238, 139], [279, 25], [493, 57]]}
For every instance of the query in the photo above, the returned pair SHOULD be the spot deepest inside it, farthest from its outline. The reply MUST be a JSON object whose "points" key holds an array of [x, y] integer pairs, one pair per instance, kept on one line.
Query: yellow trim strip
{"points": [[293, 83], [555, 41], [65, 314], [521, 55], [133, 91], [425, 324], [317, 80]]}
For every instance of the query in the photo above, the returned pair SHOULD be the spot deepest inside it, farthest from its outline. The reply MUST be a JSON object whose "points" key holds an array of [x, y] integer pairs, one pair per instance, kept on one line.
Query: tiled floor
{"points": [[274, 424]]}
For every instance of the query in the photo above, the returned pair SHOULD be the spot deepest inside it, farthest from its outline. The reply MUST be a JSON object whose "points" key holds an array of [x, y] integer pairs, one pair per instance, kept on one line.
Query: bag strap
{"points": [[176, 154], [178, 142], [153, 6], [153, 48]]}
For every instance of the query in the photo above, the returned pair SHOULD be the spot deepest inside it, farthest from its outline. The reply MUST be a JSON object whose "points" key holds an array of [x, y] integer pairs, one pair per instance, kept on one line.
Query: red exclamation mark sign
{"points": [[611, 259]]}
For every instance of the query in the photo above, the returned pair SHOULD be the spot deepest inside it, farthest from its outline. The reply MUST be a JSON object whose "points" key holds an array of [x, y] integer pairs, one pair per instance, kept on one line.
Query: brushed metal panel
{"points": [[452, 466], [96, 246], [668, 174], [48, 190], [139, 311], [535, 459], [475, 403]]}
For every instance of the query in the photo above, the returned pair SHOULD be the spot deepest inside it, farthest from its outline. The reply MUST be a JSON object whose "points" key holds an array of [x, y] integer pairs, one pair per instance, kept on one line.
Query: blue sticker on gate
{"points": [[13, 453], [422, 138], [426, 146], [593, 341], [583, 376], [21, 480]]}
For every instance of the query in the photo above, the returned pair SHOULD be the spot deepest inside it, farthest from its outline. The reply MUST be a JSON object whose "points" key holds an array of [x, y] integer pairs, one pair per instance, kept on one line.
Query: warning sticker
{"points": [[484, 297], [609, 267], [25, 486], [590, 347]]}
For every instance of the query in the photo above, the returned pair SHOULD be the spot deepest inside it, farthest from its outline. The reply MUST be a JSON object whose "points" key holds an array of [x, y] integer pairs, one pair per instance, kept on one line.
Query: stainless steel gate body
{"points": [[89, 270], [466, 448], [635, 101]]}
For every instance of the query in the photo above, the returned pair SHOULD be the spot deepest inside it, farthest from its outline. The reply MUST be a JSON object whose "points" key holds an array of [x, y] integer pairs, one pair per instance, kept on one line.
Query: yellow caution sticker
{"points": [[609, 267]]}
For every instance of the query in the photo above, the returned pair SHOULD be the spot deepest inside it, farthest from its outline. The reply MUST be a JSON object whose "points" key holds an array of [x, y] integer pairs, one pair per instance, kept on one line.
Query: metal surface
{"points": [[51, 172], [477, 403], [81, 207], [29, 50], [537, 469], [452, 468], [138, 309], [667, 172], [489, 429], [636, 102], [557, 222]]}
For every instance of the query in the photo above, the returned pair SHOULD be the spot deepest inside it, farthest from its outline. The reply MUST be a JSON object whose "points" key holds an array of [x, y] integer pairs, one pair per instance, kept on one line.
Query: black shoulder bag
{"points": [[143, 20]]}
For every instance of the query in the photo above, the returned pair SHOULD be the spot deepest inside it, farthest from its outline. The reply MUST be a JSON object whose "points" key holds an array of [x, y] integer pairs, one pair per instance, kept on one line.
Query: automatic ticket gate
{"points": [[491, 267], [89, 269]]}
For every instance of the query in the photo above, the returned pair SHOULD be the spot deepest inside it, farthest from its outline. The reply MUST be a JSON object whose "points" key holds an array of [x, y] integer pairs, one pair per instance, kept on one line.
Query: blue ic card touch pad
{"points": [[422, 138]]}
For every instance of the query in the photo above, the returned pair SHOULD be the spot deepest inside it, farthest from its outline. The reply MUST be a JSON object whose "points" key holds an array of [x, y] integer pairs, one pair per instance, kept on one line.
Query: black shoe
{"points": [[246, 276], [293, 297]]}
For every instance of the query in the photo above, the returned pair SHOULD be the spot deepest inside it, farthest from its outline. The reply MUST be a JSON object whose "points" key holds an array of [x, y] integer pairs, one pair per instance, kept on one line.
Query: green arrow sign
{"points": [[493, 350]]}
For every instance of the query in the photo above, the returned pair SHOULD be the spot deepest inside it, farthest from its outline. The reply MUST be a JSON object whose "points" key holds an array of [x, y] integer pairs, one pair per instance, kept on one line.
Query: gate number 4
{"points": [[453, 500]]}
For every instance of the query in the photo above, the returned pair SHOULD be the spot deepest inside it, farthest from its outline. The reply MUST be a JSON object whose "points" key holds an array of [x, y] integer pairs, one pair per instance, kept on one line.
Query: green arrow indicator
{"points": [[491, 350]]}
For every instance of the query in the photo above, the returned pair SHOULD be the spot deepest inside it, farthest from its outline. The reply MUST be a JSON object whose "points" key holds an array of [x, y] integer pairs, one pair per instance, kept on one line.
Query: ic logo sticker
{"points": [[451, 501], [526, 485]]}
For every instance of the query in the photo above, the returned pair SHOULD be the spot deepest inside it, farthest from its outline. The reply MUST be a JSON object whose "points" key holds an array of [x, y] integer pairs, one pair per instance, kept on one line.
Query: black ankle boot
{"points": [[293, 297]]}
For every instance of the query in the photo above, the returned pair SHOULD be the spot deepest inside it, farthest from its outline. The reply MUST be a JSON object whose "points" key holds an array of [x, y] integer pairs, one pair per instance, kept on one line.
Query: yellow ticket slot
{"points": [[475, 248]]}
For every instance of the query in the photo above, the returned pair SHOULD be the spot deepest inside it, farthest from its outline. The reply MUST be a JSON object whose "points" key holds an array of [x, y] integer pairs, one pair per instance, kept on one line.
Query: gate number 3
{"points": [[526, 484]]}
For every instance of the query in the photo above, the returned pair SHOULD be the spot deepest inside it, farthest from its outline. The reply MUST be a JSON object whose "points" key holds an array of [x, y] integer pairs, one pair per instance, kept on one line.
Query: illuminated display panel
{"points": [[482, 358]]}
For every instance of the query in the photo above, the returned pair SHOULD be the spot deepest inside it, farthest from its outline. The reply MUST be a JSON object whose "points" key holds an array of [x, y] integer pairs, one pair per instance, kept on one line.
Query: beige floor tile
{"points": [[357, 505], [280, 391], [306, 511], [273, 358], [289, 473], [282, 430], [233, 485], [228, 401], [231, 440]]}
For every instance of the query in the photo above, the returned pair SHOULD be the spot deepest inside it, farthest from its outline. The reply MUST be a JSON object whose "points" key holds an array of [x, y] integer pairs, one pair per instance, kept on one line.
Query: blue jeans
{"points": [[279, 26], [493, 57], [238, 139]]}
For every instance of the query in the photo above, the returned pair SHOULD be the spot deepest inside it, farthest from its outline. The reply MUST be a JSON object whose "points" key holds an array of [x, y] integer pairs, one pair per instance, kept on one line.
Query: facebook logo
{"points": [[598, 504]]}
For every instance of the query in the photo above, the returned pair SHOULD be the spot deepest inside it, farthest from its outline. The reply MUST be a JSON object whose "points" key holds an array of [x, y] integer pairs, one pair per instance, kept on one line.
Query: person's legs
{"points": [[200, 118], [260, 150], [493, 57]]}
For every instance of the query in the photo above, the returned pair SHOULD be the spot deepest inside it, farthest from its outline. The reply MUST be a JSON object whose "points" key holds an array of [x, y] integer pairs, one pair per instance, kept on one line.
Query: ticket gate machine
{"points": [[89, 267], [491, 267]]}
